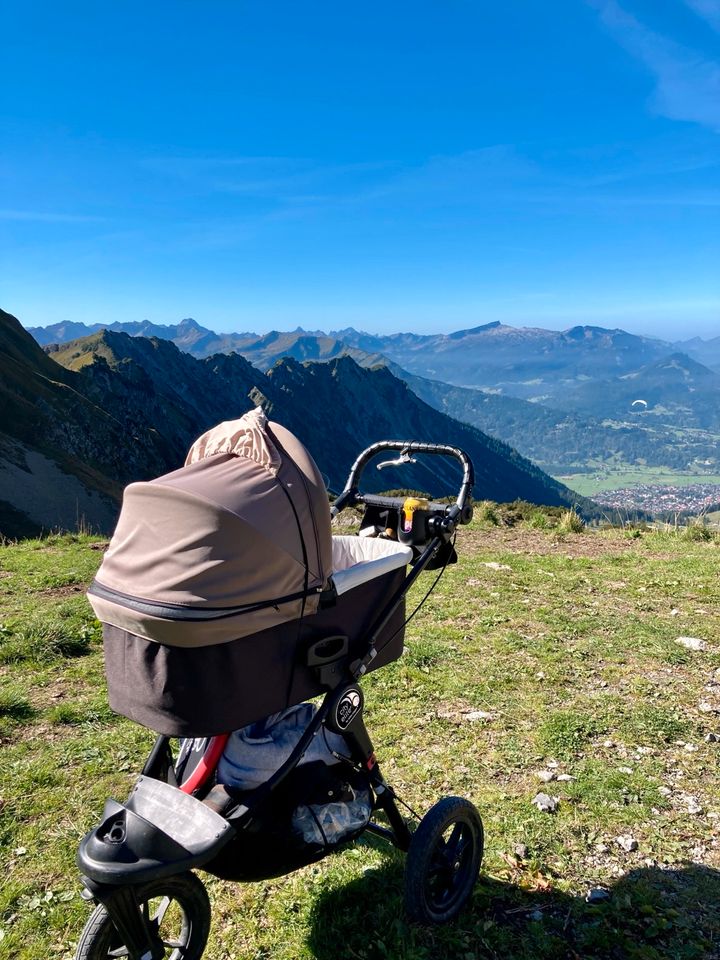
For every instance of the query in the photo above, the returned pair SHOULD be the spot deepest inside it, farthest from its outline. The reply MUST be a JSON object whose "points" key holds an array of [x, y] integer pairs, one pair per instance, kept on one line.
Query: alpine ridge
{"points": [[116, 408]]}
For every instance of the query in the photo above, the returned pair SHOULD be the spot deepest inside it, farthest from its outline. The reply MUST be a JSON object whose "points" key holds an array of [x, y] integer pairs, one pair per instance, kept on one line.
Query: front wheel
{"points": [[176, 910], [443, 861]]}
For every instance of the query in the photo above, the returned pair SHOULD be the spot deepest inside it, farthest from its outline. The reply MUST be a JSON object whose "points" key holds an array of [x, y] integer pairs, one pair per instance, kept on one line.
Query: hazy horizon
{"points": [[428, 329]]}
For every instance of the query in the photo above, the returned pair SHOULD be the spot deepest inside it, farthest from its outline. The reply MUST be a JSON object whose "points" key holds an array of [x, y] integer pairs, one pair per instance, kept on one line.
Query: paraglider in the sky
{"points": [[642, 403]]}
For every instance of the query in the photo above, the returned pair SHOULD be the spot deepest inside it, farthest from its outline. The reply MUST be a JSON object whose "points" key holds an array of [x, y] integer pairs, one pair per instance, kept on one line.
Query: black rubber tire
{"points": [[443, 861], [183, 896]]}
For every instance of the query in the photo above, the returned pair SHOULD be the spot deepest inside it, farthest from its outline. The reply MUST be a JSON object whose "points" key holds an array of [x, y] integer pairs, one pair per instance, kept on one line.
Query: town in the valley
{"points": [[695, 498]]}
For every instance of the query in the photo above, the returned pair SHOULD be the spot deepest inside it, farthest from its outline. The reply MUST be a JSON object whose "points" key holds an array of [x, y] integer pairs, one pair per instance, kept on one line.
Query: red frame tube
{"points": [[206, 766]]}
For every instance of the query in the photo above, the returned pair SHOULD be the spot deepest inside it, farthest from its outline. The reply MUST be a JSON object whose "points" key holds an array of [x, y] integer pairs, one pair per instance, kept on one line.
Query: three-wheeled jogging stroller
{"points": [[226, 603]]}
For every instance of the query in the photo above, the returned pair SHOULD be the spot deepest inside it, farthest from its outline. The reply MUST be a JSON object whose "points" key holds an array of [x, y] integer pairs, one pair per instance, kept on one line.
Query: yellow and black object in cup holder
{"points": [[414, 517]]}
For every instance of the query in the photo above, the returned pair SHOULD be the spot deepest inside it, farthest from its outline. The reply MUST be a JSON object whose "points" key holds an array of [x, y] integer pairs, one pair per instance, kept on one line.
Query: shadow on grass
{"points": [[650, 914]]}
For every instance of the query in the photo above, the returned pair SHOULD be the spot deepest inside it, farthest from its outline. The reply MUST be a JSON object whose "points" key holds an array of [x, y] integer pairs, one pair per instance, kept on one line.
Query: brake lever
{"points": [[401, 461]]}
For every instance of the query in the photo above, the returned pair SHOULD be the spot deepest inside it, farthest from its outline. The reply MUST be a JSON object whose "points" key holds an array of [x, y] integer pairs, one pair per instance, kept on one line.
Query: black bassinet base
{"points": [[203, 691]]}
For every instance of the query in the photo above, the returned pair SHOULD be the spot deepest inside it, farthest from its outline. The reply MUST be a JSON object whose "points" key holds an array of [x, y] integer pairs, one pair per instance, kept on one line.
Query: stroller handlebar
{"points": [[460, 512]]}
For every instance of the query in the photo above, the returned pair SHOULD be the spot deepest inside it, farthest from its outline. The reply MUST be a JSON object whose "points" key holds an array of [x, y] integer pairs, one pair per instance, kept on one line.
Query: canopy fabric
{"points": [[233, 543], [246, 437]]}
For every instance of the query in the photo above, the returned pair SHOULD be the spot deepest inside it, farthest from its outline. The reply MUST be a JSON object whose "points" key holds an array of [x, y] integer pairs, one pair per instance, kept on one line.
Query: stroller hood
{"points": [[236, 541]]}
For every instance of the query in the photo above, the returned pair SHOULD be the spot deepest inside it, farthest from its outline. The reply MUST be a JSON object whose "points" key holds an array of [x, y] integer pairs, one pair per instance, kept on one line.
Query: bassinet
{"points": [[221, 575]]}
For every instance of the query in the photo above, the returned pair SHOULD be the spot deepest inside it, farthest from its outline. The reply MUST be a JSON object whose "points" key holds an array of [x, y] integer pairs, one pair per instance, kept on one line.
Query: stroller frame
{"points": [[114, 877]]}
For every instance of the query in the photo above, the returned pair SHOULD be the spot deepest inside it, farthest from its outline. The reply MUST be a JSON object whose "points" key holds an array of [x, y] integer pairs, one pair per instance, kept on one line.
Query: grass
{"points": [[566, 644]]}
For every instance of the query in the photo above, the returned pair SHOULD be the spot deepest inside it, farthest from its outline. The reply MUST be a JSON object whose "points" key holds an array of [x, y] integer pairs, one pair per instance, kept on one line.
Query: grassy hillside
{"points": [[538, 652]]}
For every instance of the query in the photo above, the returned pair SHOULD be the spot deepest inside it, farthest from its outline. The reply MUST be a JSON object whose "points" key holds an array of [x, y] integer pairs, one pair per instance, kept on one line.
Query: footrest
{"points": [[160, 831]]}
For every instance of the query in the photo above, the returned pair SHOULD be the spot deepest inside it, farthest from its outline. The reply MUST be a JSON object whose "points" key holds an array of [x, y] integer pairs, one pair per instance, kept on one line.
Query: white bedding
{"points": [[356, 560]]}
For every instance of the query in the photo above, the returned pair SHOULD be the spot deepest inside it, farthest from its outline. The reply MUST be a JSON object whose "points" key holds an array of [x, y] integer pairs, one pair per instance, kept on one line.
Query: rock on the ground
{"points": [[626, 843], [691, 643], [706, 707], [597, 895], [545, 776], [545, 803], [458, 714], [521, 851]]}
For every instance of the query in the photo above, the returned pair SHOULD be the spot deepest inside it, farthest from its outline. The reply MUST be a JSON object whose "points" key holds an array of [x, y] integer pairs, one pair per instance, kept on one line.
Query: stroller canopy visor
{"points": [[236, 541]]}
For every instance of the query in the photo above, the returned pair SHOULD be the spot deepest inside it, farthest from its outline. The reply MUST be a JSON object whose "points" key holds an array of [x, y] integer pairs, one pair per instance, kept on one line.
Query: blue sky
{"points": [[425, 166]]}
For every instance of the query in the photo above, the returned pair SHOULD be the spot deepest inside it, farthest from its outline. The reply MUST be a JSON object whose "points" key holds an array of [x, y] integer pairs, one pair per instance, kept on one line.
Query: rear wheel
{"points": [[176, 910], [443, 861]]}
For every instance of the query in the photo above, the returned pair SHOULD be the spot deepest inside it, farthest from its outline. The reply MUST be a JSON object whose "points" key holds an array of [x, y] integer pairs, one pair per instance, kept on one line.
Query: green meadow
{"points": [[617, 477], [541, 654]]}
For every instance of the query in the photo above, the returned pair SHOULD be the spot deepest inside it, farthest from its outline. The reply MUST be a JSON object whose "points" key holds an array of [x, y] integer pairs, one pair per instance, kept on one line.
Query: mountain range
{"points": [[562, 398], [86, 417], [528, 362]]}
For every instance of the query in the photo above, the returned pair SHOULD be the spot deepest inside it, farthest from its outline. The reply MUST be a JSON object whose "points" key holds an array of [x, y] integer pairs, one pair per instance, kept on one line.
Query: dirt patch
{"points": [[515, 540], [69, 590]]}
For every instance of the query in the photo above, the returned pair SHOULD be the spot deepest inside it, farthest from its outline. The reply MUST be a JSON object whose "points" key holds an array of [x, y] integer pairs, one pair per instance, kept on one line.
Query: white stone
{"points": [[627, 843], [545, 803], [691, 643], [597, 895], [545, 775], [475, 715]]}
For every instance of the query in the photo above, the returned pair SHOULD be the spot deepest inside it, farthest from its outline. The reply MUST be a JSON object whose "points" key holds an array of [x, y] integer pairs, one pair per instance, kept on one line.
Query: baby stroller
{"points": [[226, 602]]}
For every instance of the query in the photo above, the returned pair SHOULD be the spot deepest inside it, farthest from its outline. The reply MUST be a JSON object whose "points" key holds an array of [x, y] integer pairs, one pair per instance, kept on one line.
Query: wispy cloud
{"points": [[707, 9], [293, 179], [687, 83], [39, 216]]}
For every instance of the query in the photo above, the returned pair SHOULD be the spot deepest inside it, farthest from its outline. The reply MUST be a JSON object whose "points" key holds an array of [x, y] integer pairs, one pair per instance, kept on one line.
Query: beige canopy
{"points": [[236, 541]]}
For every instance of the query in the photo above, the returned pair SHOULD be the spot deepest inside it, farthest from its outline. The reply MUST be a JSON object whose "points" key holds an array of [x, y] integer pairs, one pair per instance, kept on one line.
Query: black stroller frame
{"points": [[176, 819]]}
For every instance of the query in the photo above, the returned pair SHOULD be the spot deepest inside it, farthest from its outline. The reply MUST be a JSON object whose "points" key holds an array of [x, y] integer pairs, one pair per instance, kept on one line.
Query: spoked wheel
{"points": [[176, 909], [443, 861]]}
